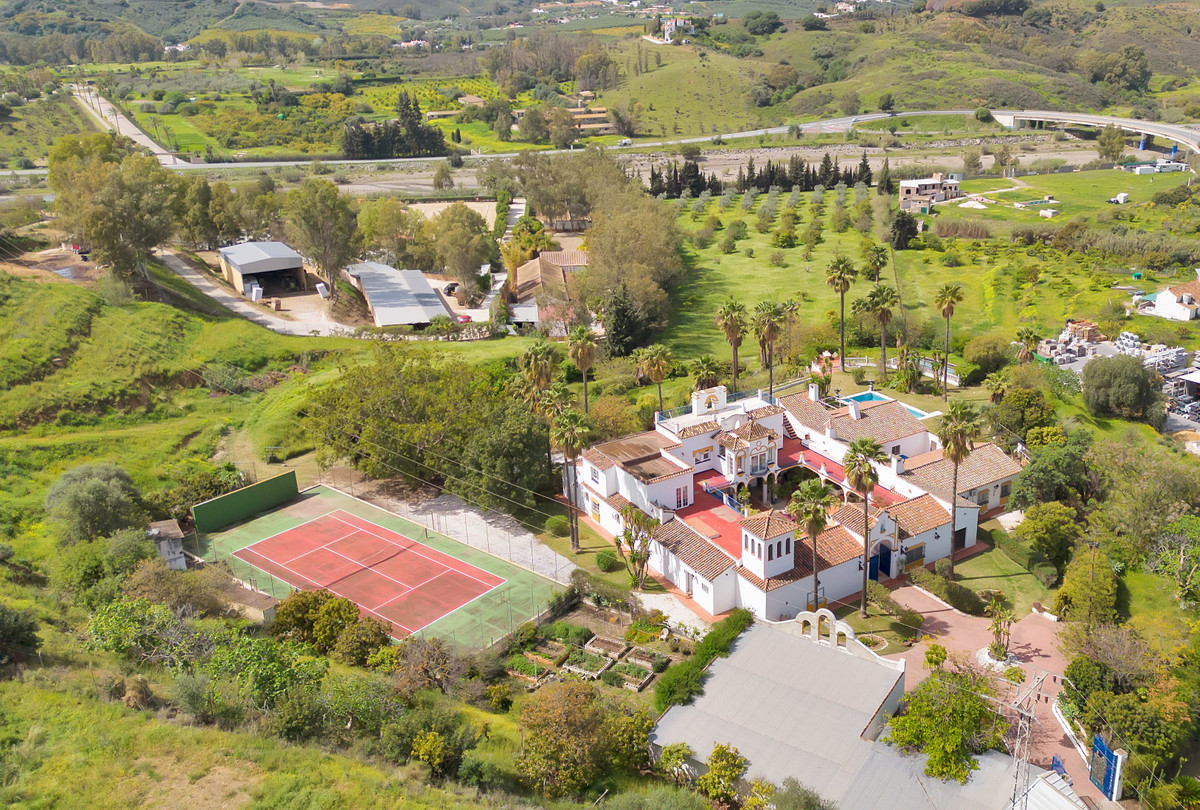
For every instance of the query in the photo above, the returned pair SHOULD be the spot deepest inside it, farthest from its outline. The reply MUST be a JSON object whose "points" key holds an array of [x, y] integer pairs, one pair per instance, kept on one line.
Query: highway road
{"points": [[1186, 136]]}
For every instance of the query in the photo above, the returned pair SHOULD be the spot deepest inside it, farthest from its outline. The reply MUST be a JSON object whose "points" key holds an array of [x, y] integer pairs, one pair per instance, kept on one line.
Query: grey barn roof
{"points": [[397, 296], [261, 257], [796, 708]]}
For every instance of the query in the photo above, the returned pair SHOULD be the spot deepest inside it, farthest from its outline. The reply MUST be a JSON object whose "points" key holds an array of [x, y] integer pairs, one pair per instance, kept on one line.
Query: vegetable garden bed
{"points": [[606, 646], [635, 677], [548, 653], [587, 664], [521, 666]]}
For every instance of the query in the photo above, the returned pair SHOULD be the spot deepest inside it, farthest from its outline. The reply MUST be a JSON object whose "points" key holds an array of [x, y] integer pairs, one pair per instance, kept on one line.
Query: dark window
{"points": [[770, 552]]}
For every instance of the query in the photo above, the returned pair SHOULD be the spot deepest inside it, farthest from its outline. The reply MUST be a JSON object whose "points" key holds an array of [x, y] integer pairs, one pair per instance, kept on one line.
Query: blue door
{"points": [[885, 561], [873, 568]]}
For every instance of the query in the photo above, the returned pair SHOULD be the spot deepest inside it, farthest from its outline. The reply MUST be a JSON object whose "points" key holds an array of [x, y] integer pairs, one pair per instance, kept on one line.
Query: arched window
{"points": [[770, 552], [779, 548], [787, 545]]}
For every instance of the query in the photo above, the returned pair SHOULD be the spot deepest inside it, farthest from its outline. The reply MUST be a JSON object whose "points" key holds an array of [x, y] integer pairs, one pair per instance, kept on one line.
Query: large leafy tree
{"points": [[1058, 472], [810, 505], [839, 276], [1053, 529], [859, 464], [1120, 386], [634, 542], [957, 434], [387, 225], [731, 319], [94, 500], [949, 718], [322, 226], [946, 299]]}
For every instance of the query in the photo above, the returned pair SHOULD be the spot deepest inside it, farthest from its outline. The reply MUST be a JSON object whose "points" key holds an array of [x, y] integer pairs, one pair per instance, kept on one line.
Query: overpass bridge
{"points": [[1186, 137]]}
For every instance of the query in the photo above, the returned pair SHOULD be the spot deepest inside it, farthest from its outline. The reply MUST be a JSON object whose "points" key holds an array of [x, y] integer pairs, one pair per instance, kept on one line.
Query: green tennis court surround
{"points": [[240, 504]]}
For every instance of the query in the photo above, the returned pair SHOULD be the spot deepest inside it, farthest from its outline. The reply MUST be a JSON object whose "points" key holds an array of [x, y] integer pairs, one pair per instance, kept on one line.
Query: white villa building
{"points": [[922, 194], [1179, 303], [687, 471]]}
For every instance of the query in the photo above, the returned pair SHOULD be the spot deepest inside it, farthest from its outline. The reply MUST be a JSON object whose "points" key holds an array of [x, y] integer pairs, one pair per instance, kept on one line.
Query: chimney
{"points": [[814, 390], [898, 464], [938, 177], [855, 413]]}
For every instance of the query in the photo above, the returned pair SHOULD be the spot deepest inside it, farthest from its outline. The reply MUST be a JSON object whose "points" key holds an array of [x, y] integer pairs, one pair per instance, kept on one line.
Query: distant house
{"points": [[675, 28], [471, 101], [396, 297], [546, 283], [1179, 303], [921, 195], [271, 267]]}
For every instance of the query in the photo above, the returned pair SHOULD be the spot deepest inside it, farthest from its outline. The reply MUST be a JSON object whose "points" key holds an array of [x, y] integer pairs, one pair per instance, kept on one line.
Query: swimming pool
{"points": [[874, 396]]}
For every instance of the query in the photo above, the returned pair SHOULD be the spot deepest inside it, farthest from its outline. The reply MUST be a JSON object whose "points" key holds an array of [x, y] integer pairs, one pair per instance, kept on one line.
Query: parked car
{"points": [[450, 288], [464, 318]]}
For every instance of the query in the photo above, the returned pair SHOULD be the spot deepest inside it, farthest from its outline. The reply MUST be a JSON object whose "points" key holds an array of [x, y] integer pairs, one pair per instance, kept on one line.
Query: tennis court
{"points": [[419, 581], [386, 574]]}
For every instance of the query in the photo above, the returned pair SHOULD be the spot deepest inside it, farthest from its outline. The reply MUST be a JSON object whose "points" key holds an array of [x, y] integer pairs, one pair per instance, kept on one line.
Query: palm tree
{"points": [[880, 302], [945, 299], [551, 402], [908, 369], [840, 276], [810, 507], [638, 356], [731, 318], [513, 254], [959, 427], [655, 364], [707, 371], [569, 432], [767, 323], [997, 384], [537, 364], [875, 258], [859, 465], [1029, 341], [581, 347]]}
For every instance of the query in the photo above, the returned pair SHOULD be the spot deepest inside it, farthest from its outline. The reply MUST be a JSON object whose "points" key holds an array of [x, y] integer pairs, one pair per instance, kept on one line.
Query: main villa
{"points": [[687, 471]]}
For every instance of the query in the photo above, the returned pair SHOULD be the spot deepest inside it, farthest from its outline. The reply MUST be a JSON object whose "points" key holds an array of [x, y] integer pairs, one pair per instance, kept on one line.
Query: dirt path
{"points": [[110, 117]]}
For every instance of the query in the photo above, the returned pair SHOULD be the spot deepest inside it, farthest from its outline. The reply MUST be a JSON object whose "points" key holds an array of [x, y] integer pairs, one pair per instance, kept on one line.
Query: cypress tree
{"points": [[622, 323], [885, 179]]}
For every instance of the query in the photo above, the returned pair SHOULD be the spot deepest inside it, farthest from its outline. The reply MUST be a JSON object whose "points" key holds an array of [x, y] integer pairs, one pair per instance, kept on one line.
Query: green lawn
{"points": [[993, 569], [1148, 602], [878, 623]]}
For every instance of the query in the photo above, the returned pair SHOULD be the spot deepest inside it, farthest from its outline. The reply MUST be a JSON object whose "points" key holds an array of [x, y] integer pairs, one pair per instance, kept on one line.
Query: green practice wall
{"points": [[242, 503]]}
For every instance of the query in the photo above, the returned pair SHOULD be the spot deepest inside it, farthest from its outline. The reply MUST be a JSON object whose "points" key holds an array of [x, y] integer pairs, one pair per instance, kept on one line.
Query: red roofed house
{"points": [[686, 472]]}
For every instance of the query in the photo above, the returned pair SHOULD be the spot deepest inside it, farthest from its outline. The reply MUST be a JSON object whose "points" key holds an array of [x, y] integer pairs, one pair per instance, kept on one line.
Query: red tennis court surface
{"points": [[386, 574]]}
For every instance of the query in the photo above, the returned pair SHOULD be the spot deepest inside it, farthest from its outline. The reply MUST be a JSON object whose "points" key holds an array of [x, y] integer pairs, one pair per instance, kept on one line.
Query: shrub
{"points": [[911, 619], [1026, 556], [957, 596], [612, 678], [558, 526], [879, 596], [942, 568], [573, 634], [523, 666], [607, 562], [682, 682], [478, 772], [661, 662]]}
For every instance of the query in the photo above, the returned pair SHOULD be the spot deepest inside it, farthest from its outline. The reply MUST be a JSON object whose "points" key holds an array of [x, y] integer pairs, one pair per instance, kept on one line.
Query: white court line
{"points": [[285, 531], [419, 543], [318, 548], [457, 609], [410, 590]]}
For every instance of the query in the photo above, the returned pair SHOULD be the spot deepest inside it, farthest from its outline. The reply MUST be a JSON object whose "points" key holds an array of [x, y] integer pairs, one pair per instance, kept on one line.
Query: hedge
{"points": [[1026, 556], [503, 201], [683, 681], [954, 594]]}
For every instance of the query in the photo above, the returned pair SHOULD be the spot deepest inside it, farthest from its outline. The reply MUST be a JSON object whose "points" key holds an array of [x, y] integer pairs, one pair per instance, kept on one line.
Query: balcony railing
{"points": [[726, 499]]}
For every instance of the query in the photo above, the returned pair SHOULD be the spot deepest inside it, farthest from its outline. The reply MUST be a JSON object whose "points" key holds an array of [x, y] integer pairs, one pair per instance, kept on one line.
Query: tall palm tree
{"points": [[554, 400], [513, 254], [945, 299], [997, 384], [581, 347], [537, 364], [707, 371], [880, 302], [859, 465], [839, 276], [1029, 341], [810, 507], [767, 323], [656, 363], [731, 319], [638, 356], [958, 430], [569, 432]]}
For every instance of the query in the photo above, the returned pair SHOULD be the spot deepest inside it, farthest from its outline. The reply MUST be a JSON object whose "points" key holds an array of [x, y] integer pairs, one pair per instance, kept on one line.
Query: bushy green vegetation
{"points": [[683, 681]]}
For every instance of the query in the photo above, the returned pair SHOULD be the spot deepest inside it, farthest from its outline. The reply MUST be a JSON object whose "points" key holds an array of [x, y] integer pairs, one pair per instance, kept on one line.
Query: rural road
{"points": [[100, 109]]}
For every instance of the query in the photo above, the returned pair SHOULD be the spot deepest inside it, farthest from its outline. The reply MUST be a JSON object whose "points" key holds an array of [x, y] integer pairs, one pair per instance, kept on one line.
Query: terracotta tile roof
{"points": [[752, 431], [565, 258], [835, 546], [597, 459], [698, 429], [726, 439], [882, 421], [918, 515], [986, 465], [768, 525], [1191, 288], [850, 516], [694, 551], [813, 415], [765, 410]]}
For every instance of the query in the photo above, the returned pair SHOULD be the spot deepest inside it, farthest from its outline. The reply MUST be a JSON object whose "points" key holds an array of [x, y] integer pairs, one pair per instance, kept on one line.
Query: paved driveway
{"points": [[1034, 642]]}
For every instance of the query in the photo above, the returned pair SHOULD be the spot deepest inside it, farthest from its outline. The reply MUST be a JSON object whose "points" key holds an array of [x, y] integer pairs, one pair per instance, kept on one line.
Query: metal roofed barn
{"points": [[396, 297]]}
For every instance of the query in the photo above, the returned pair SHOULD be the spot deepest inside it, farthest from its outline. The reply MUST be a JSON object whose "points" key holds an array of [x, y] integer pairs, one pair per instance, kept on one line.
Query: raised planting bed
{"points": [[646, 629], [606, 646], [519, 666], [587, 664], [872, 642], [635, 677], [548, 653]]}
